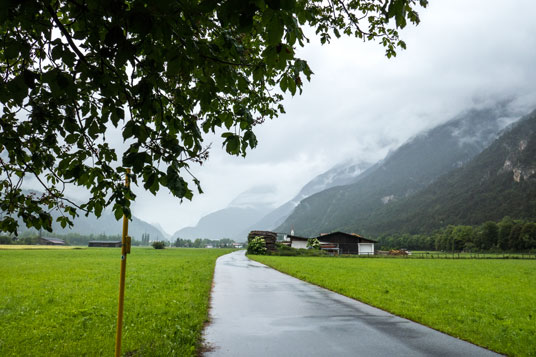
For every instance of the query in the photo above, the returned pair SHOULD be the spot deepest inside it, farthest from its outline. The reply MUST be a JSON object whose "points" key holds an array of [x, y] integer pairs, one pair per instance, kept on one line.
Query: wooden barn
{"points": [[104, 243], [342, 243], [51, 241]]}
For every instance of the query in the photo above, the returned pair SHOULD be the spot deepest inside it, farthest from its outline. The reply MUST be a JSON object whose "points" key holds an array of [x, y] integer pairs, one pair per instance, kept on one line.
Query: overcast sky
{"points": [[359, 104]]}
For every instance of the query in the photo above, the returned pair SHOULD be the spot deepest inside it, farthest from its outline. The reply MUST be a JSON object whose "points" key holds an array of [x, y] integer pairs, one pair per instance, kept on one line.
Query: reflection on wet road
{"points": [[258, 311]]}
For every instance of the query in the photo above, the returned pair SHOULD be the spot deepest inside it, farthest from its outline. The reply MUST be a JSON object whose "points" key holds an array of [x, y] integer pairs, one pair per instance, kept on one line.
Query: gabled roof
{"points": [[53, 240], [353, 235], [296, 237]]}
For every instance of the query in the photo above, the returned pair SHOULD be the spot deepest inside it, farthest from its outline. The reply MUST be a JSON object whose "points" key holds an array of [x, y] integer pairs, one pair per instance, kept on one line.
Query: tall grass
{"points": [[64, 302]]}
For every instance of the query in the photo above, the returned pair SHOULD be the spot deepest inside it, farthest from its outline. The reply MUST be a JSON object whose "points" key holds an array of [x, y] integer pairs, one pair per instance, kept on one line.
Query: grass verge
{"points": [[487, 302], [64, 302]]}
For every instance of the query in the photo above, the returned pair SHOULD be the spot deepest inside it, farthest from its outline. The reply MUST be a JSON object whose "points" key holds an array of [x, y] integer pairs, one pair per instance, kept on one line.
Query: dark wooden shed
{"points": [[104, 243], [349, 243]]}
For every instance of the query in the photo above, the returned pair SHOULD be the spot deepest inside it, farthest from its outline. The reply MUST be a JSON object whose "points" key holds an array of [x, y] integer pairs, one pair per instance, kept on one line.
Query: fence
{"points": [[445, 255]]}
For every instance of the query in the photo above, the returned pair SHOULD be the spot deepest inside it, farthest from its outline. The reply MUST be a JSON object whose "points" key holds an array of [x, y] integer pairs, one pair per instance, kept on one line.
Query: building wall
{"points": [[348, 244], [299, 244], [366, 248]]}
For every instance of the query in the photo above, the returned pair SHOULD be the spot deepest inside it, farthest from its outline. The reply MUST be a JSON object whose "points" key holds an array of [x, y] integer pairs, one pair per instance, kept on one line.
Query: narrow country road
{"points": [[258, 311]]}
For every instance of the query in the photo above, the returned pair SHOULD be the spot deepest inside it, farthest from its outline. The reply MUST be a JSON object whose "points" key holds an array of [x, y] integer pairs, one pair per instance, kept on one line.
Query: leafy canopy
{"points": [[162, 72]]}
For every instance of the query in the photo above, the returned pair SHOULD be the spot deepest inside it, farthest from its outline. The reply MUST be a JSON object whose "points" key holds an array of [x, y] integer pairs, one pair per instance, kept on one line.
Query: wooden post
{"points": [[125, 249]]}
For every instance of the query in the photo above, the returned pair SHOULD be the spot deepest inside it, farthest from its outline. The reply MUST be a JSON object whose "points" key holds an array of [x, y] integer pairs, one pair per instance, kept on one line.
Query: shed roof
{"points": [[296, 237], [53, 240], [353, 235]]}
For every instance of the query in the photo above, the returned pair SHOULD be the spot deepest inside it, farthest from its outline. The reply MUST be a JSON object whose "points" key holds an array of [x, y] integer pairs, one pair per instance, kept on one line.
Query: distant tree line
{"points": [[145, 238], [31, 238], [505, 235], [203, 243]]}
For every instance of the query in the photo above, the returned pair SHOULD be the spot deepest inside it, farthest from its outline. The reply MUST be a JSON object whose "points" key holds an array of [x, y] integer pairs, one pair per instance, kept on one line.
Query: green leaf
{"points": [[71, 138], [57, 52], [275, 30], [291, 85], [283, 84], [128, 130], [118, 212], [232, 145]]}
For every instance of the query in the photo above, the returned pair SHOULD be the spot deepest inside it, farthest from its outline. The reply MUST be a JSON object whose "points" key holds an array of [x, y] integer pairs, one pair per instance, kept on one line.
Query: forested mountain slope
{"points": [[412, 167], [499, 182], [342, 174]]}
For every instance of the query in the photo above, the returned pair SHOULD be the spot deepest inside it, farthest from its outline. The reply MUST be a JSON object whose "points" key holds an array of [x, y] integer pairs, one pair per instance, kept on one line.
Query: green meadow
{"points": [[64, 302], [491, 303]]}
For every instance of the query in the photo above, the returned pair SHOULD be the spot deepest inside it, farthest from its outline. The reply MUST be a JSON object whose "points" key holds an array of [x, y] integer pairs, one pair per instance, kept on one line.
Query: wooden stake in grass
{"points": [[125, 249]]}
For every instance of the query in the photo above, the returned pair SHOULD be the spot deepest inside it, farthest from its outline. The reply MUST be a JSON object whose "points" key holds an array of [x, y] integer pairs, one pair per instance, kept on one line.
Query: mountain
{"points": [[225, 223], [232, 221], [341, 174], [412, 167], [108, 225], [161, 229], [255, 205], [499, 182], [105, 224]]}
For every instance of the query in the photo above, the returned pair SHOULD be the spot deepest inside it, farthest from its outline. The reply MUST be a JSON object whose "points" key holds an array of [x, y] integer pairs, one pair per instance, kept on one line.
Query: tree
{"points": [[488, 236], [528, 235], [163, 74], [505, 227], [460, 236], [145, 238], [183, 242], [198, 243], [515, 241]]}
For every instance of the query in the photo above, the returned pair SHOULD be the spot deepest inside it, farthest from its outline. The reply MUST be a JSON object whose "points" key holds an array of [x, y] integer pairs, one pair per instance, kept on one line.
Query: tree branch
{"points": [[66, 33]]}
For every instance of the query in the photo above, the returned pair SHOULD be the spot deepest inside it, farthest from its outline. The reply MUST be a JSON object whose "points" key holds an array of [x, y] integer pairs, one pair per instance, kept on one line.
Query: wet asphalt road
{"points": [[258, 311]]}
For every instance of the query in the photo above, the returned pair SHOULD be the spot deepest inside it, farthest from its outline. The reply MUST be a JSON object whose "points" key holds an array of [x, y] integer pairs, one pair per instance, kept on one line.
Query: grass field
{"points": [[64, 302], [491, 303], [469, 255], [38, 247]]}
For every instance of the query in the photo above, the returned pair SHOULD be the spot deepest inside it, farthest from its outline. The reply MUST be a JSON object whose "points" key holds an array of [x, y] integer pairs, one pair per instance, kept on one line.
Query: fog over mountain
{"points": [[499, 182], [256, 205], [360, 105], [230, 221], [106, 224], [410, 168], [341, 174]]}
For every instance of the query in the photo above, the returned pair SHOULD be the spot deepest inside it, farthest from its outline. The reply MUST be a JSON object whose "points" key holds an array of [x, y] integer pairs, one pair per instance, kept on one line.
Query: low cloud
{"points": [[359, 104]]}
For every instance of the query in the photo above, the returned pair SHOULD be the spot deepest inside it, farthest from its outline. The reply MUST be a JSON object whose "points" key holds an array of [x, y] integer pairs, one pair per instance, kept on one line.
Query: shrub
{"points": [[257, 246], [286, 251], [313, 243], [158, 245]]}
